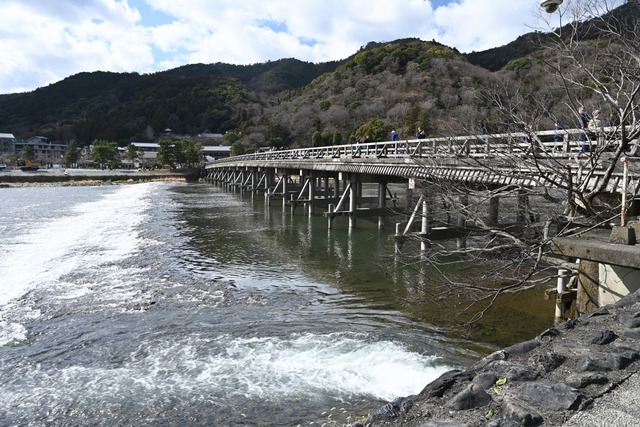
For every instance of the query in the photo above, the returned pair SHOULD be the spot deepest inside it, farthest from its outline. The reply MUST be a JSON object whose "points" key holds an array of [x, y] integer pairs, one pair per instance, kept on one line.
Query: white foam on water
{"points": [[12, 333], [308, 367], [91, 236], [334, 364]]}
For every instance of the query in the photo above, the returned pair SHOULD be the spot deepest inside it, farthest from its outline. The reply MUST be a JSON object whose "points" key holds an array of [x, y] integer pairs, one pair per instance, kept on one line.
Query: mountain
{"points": [[497, 58], [122, 106], [219, 97], [398, 85]]}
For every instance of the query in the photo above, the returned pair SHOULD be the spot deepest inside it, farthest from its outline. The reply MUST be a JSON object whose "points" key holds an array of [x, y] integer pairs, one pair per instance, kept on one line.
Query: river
{"points": [[182, 304]]}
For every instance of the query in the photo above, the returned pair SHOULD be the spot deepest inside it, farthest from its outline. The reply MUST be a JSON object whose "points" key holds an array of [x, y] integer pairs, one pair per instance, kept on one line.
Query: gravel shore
{"points": [[60, 176]]}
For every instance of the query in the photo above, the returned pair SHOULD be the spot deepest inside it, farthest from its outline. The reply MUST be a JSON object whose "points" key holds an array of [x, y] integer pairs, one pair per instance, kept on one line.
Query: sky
{"points": [[45, 41]]}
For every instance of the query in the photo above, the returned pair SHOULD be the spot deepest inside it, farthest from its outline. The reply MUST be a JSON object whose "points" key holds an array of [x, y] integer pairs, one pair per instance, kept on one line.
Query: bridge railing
{"points": [[456, 146]]}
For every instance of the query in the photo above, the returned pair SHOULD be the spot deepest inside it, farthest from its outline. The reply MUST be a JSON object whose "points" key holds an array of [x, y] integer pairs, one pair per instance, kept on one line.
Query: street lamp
{"points": [[550, 5]]}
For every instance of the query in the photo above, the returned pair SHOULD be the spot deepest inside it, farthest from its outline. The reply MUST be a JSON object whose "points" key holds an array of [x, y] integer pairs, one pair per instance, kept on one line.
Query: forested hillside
{"points": [[398, 85], [129, 106]]}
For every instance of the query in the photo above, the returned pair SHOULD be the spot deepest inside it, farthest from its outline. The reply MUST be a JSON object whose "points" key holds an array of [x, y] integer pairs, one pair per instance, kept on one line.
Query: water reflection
{"points": [[360, 263]]}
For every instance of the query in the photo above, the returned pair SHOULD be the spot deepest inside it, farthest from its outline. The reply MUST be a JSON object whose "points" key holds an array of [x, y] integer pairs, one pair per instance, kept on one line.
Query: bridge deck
{"points": [[495, 160]]}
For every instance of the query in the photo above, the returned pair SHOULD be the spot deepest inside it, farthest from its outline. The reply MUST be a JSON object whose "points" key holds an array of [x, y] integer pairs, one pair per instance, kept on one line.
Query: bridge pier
{"points": [[311, 191], [461, 241], [493, 211], [354, 190], [424, 230], [382, 202], [330, 217], [524, 215]]}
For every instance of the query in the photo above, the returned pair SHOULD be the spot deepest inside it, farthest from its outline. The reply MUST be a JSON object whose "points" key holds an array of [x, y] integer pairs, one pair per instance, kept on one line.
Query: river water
{"points": [[183, 304]]}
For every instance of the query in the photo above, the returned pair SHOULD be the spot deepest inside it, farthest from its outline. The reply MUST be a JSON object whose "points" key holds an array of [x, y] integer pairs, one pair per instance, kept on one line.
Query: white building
{"points": [[6, 142]]}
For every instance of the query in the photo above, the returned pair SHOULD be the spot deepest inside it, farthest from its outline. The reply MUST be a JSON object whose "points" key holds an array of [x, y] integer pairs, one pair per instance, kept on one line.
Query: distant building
{"points": [[6, 142], [44, 151], [149, 152], [215, 152]]}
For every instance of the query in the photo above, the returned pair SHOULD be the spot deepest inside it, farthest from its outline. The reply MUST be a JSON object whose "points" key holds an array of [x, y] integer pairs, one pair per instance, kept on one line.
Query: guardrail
{"points": [[456, 146]]}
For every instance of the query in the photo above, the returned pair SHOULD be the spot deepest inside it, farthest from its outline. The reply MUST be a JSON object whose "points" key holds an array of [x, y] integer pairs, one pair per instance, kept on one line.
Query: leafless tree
{"points": [[593, 60]]}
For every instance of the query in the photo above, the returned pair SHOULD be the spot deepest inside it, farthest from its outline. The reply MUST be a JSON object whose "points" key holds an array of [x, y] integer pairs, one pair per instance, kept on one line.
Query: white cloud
{"points": [[44, 41]]}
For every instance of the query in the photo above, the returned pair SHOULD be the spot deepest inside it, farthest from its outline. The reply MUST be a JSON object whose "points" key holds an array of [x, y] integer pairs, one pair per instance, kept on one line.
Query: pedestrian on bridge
{"points": [[558, 136], [595, 126], [394, 135], [584, 124]]}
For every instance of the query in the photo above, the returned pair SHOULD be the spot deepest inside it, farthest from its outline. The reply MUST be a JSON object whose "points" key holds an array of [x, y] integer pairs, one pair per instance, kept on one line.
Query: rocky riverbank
{"points": [[546, 381]]}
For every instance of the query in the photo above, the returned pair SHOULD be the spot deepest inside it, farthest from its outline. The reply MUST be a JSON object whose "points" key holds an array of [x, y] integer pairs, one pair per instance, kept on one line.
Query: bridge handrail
{"points": [[461, 146]]}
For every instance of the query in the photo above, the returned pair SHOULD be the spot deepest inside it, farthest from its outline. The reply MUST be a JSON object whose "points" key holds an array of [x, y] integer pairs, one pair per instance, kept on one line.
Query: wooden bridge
{"points": [[332, 176]]}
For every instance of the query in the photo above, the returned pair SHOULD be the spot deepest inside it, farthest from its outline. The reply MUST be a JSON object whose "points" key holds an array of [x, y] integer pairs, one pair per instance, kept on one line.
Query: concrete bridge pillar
{"points": [[424, 244], [284, 179], [356, 188], [311, 190], [494, 210], [562, 283], [382, 202], [524, 208], [411, 186], [331, 208], [397, 243], [462, 220], [254, 181]]}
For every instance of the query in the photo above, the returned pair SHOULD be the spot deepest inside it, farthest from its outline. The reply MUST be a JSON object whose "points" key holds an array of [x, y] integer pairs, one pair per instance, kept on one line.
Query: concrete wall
{"points": [[616, 282]]}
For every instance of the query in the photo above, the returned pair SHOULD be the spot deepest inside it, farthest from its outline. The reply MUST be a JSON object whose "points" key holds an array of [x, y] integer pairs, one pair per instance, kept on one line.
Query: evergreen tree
{"points": [[132, 153], [71, 152], [28, 153], [104, 152]]}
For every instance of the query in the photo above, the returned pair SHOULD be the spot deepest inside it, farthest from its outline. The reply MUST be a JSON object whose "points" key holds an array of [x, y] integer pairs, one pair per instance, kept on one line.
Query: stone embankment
{"points": [[568, 375]]}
